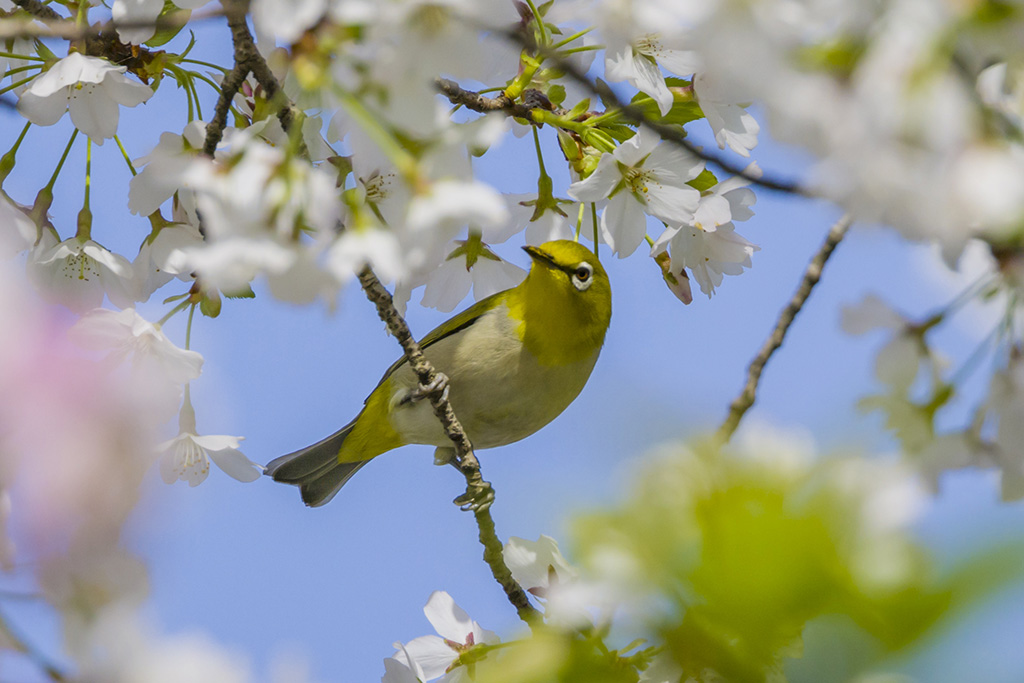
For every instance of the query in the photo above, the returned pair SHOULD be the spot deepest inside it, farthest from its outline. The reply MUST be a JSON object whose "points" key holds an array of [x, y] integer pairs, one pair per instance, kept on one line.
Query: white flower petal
{"points": [[623, 224], [447, 618], [93, 112], [598, 184], [234, 463], [430, 653]]}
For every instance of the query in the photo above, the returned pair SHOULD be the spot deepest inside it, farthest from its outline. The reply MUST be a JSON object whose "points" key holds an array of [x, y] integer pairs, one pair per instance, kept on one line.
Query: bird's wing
{"points": [[451, 326]]}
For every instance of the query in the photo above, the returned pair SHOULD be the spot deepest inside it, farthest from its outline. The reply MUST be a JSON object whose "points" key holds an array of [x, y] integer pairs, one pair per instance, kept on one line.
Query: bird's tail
{"points": [[315, 469]]}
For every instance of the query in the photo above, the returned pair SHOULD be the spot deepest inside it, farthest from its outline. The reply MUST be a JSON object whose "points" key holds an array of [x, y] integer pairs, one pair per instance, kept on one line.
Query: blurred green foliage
{"points": [[723, 562]]}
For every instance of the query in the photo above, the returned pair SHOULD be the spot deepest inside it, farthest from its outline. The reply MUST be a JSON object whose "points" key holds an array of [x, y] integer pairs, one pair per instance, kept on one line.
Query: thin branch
{"points": [[672, 134], [36, 8], [247, 54], [57, 26], [747, 397], [483, 104], [465, 460], [479, 493], [228, 87], [18, 643]]}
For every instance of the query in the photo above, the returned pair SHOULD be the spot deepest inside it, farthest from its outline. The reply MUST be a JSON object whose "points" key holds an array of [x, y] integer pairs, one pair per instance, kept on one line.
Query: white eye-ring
{"points": [[582, 277]]}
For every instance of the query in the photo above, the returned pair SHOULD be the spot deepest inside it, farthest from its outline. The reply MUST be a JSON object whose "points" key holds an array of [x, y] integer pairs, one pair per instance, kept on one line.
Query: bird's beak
{"points": [[539, 255]]}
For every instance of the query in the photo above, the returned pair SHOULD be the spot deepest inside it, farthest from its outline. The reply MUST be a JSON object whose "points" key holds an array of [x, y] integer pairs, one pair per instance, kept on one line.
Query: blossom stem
{"points": [[7, 161], [188, 330], [124, 154], [209, 64], [23, 81], [173, 312], [60, 164], [582, 48], [574, 36], [404, 162], [593, 218], [579, 220], [27, 58], [84, 231], [209, 81], [540, 22], [540, 154]]}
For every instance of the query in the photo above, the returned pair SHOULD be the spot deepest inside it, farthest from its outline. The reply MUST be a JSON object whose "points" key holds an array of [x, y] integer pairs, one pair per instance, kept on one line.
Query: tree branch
{"points": [[670, 133], [19, 644], [483, 104], [36, 8], [479, 493], [465, 459], [747, 397]]}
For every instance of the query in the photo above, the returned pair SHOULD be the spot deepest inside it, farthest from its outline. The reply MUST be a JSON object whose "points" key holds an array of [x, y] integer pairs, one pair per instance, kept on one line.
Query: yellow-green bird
{"points": [[514, 361]]}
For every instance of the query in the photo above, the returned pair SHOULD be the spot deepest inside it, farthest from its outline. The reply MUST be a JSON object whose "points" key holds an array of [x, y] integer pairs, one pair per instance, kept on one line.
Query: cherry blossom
{"points": [[439, 655], [126, 334], [92, 89], [187, 456], [642, 176], [78, 272], [538, 565]]}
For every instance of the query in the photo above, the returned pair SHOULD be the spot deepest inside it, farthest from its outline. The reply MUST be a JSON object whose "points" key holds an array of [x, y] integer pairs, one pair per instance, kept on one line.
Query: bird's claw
{"points": [[477, 498], [438, 384]]}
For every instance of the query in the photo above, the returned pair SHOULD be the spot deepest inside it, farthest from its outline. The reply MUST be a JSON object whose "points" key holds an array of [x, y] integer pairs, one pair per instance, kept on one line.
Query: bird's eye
{"points": [[581, 277]]}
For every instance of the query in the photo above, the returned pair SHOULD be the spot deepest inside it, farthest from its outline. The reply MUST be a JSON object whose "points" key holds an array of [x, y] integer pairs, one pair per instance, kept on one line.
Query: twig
{"points": [[456, 94], [57, 26], [672, 134], [18, 643], [747, 397], [248, 59], [228, 87], [466, 461], [38, 9]]}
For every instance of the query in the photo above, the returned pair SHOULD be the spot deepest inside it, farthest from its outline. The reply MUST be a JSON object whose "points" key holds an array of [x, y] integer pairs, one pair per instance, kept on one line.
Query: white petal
{"points": [[234, 463], [672, 165], [680, 62], [647, 79], [623, 224], [671, 204], [447, 618], [125, 91], [42, 110], [598, 184], [430, 653], [93, 112]]}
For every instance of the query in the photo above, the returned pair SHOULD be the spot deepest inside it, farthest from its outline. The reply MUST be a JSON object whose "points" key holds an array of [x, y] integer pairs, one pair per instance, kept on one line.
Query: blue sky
{"points": [[250, 565]]}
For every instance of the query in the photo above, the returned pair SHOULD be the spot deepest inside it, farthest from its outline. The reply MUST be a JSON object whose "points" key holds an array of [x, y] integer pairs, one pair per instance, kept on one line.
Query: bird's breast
{"points": [[499, 390]]}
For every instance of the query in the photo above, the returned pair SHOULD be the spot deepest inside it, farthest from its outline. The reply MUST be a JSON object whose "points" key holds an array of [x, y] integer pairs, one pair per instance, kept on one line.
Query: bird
{"points": [[513, 362]]}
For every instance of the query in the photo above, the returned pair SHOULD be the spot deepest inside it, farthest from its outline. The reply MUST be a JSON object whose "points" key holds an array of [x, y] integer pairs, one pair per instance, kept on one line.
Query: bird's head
{"points": [[568, 287]]}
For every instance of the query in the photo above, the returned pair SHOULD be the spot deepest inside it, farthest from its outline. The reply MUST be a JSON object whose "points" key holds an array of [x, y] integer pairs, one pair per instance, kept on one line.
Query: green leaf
{"points": [[579, 109], [704, 182], [45, 52], [245, 293], [556, 93], [165, 35]]}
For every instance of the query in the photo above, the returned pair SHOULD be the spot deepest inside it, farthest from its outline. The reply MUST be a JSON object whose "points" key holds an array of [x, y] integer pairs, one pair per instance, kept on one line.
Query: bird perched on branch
{"points": [[514, 361]]}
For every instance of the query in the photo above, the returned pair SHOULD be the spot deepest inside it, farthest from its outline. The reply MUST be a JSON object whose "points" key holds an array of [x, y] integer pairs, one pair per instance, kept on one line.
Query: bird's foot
{"points": [[478, 497], [445, 455], [438, 384]]}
